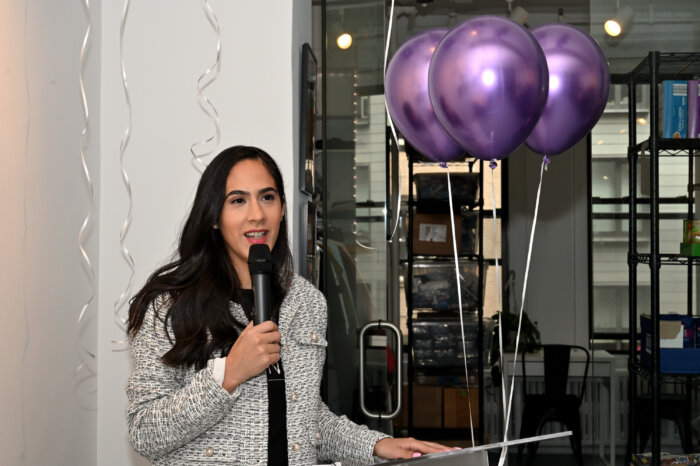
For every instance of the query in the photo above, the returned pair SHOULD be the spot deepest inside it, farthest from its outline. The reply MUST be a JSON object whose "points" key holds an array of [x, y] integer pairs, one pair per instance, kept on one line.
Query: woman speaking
{"points": [[208, 386]]}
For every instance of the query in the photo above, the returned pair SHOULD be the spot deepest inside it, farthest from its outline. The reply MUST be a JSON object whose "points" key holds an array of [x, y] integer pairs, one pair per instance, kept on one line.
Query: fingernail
{"points": [[456, 448], [416, 454]]}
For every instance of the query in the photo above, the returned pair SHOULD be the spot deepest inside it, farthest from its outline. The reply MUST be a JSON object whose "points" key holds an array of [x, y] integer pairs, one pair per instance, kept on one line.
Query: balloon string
{"points": [[543, 168], [459, 300], [204, 103], [85, 364], [124, 296]]}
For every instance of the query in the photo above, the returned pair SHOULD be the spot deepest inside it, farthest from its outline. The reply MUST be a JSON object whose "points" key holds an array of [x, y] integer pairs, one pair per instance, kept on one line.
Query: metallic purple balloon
{"points": [[579, 83], [488, 85], [406, 88]]}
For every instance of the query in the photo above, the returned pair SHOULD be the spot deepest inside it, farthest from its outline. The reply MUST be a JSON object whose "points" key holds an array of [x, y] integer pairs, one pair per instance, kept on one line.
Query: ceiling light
{"points": [[620, 23], [519, 15], [344, 41]]}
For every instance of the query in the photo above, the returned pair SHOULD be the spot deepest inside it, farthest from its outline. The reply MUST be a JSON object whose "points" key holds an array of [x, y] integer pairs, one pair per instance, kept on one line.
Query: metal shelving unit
{"points": [[652, 70], [443, 433]]}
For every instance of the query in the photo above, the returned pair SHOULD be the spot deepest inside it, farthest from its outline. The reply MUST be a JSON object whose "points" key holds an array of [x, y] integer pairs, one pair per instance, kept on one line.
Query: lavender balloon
{"points": [[406, 88], [488, 85], [579, 83]]}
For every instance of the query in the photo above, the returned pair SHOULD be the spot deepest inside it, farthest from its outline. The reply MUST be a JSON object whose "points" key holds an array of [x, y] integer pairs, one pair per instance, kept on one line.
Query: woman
{"points": [[201, 390]]}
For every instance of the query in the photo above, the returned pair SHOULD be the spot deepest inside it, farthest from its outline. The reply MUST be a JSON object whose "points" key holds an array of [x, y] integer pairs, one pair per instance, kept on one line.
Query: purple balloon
{"points": [[406, 88], [488, 85], [579, 83]]}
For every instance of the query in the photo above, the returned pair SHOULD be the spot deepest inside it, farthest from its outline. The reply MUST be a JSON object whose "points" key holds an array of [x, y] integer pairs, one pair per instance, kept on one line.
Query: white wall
{"points": [[46, 419], [168, 44], [557, 293]]}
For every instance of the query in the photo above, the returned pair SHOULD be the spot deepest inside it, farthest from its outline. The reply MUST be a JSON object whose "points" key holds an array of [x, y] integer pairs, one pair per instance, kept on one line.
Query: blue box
{"points": [[683, 359], [673, 109]]}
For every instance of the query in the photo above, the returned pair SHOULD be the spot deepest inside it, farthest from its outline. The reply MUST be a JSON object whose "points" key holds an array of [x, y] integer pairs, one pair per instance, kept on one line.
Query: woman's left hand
{"points": [[398, 448]]}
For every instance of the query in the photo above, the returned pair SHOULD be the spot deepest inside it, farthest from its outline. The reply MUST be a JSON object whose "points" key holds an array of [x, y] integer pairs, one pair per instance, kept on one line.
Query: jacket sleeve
{"points": [[341, 439], [164, 412], [345, 441]]}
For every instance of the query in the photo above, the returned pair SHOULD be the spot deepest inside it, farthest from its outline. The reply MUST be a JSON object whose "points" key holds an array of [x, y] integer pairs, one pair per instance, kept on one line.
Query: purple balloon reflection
{"points": [[488, 85], [406, 88], [579, 84]]}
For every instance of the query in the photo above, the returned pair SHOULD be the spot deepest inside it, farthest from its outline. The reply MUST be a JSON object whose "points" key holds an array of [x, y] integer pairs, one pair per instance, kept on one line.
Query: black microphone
{"points": [[260, 267]]}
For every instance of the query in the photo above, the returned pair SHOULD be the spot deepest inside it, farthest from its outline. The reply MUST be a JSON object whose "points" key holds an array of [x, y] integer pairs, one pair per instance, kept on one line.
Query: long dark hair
{"points": [[201, 281]]}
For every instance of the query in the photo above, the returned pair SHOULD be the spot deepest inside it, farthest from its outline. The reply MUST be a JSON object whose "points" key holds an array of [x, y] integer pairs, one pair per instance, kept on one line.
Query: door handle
{"points": [[399, 357]]}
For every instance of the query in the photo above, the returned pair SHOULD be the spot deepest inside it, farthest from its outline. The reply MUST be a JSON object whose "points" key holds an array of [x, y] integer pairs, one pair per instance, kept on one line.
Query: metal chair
{"points": [[555, 404]]}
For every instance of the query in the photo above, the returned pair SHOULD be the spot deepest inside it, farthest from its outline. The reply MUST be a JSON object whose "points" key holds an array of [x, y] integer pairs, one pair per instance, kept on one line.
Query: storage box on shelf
{"points": [[438, 341], [679, 350], [434, 284], [433, 193]]}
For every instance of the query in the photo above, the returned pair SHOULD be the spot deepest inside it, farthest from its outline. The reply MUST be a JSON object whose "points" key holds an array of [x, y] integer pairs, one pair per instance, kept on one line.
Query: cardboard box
{"points": [[456, 402], [427, 402], [690, 249], [673, 109], [694, 108], [432, 234], [678, 354]]}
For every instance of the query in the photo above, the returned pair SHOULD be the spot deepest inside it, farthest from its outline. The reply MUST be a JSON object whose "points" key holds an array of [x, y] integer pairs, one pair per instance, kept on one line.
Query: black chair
{"points": [[676, 408], [555, 404]]}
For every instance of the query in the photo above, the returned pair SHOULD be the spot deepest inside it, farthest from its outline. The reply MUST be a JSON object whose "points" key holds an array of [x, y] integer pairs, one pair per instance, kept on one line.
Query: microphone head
{"points": [[259, 259]]}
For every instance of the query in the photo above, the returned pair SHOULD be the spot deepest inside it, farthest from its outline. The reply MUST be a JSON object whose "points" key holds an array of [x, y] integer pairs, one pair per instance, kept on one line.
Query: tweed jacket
{"points": [[183, 417]]}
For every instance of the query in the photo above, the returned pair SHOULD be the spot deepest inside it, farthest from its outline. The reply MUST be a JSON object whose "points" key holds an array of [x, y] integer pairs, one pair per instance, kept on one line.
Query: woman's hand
{"points": [[399, 448], [256, 349]]}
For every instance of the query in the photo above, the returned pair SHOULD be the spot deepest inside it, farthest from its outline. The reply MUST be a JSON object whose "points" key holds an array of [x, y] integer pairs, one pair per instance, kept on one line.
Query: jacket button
{"points": [[318, 435], [294, 397], [314, 337], [209, 451], [296, 447]]}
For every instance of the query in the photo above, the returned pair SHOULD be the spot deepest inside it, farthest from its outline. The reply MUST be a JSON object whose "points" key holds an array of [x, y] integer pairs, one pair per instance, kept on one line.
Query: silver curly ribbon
{"points": [[204, 103], [25, 348], [124, 296], [87, 356], [393, 132]]}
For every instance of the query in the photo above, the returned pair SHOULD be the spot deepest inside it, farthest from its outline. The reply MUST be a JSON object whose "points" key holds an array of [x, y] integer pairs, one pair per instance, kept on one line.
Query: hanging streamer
{"points": [[393, 132], [204, 103], [543, 168], [25, 348], [87, 356], [459, 298], [126, 292]]}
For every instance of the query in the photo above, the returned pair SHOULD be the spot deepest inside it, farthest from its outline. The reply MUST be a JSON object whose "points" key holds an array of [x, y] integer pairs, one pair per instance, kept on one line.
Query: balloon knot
{"points": [[493, 164], [546, 162], [443, 164]]}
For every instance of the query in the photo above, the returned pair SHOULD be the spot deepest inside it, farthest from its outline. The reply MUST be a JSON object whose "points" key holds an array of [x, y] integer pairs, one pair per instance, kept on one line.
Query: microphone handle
{"points": [[261, 292]]}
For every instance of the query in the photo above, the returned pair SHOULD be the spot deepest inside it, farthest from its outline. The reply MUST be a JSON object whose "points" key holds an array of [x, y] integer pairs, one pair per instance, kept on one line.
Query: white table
{"points": [[602, 367]]}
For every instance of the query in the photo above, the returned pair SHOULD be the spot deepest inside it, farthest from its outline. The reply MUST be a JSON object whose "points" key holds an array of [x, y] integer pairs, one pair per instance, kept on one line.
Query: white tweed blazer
{"points": [[183, 417]]}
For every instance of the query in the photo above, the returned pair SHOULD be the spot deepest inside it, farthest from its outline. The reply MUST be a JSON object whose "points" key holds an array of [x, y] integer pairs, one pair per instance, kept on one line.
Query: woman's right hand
{"points": [[256, 349]]}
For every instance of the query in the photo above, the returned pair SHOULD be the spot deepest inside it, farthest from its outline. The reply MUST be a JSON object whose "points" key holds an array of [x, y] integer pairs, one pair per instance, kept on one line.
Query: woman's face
{"points": [[251, 214]]}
